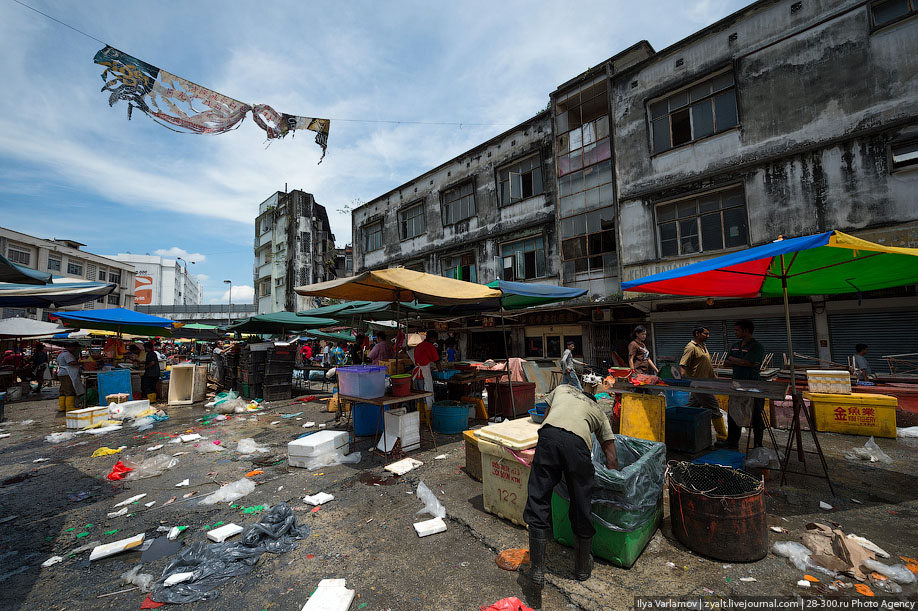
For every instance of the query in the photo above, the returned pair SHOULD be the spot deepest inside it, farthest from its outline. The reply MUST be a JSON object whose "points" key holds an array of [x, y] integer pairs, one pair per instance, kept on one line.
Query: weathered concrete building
{"points": [[786, 118], [488, 213], [294, 246]]}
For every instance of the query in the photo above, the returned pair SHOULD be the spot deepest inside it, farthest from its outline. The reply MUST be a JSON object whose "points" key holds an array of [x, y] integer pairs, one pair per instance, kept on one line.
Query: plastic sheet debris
{"points": [[106, 451], [870, 545], [431, 503], [898, 573], [230, 492], [206, 448], [116, 547], [154, 448], [506, 604], [311, 424], [119, 470], [762, 457], [219, 535], [870, 452], [511, 559], [41, 460], [330, 595], [403, 466], [777, 529], [104, 427], [58, 437], [150, 467], [130, 500], [52, 561], [319, 498], [887, 585], [144, 581], [249, 446], [797, 553], [803, 583], [214, 564], [150, 504], [184, 482], [825, 506], [907, 431], [178, 578], [233, 406], [748, 579]]}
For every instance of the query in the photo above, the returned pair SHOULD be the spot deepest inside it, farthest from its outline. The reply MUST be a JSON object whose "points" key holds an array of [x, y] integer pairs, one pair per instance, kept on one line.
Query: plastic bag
{"points": [[249, 446], [898, 573], [214, 564], [232, 406], [59, 437], [871, 451], [230, 492], [762, 457], [431, 503], [206, 448], [144, 581], [506, 604], [150, 467], [908, 431], [797, 553]]}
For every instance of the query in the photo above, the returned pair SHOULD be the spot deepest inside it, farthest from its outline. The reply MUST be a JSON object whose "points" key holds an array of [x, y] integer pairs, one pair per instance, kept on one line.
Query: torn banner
{"points": [[171, 100]]}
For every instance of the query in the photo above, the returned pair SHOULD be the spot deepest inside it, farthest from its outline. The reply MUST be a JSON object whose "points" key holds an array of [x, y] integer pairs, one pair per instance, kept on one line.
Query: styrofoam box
{"points": [[81, 418], [323, 442], [828, 382]]}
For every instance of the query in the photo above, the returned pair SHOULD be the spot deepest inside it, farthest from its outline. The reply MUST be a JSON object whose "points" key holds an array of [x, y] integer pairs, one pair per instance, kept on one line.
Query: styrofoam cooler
{"points": [[81, 418], [404, 425], [307, 451]]}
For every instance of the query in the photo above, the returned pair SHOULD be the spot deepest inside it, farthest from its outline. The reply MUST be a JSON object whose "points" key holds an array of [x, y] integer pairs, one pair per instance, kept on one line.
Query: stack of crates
{"points": [[278, 380], [231, 370], [252, 372]]}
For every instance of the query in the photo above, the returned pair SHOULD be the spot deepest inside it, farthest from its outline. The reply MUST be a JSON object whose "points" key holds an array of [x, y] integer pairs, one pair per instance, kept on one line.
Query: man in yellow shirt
{"points": [[696, 363]]}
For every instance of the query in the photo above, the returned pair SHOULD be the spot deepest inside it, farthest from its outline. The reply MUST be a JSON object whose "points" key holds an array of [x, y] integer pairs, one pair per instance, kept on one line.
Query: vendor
{"points": [[39, 364], [564, 448], [746, 359], [150, 373], [696, 363], [426, 355], [638, 354], [861, 366], [383, 350], [135, 355], [68, 372]]}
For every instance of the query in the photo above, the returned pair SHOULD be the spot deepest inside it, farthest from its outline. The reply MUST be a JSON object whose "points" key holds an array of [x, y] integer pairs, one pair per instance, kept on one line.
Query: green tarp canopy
{"points": [[333, 308], [338, 337], [279, 322]]}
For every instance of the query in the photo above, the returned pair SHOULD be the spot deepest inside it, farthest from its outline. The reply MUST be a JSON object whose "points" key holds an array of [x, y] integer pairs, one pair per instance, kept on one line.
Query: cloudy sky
{"points": [[72, 167]]}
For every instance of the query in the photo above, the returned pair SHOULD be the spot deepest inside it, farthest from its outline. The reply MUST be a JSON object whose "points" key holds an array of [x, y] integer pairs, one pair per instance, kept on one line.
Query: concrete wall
{"points": [[820, 97], [484, 232]]}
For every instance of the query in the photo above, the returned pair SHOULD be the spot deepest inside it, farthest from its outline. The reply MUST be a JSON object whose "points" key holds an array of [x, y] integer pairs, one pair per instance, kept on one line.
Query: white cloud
{"points": [[175, 251], [202, 278], [241, 294]]}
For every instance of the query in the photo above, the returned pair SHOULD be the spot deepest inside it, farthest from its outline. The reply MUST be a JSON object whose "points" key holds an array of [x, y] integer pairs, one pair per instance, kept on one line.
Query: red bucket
{"points": [[401, 385]]}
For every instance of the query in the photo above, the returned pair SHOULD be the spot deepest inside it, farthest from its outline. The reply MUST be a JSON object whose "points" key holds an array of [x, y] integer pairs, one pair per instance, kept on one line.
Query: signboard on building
{"points": [[144, 283]]}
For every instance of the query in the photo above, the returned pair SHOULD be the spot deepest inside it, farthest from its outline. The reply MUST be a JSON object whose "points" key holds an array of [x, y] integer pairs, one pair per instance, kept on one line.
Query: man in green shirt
{"points": [[564, 448], [746, 359]]}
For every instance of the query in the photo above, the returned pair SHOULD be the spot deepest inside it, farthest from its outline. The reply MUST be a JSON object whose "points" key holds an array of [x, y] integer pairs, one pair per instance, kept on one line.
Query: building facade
{"points": [[344, 261], [294, 246], [160, 281], [64, 259]]}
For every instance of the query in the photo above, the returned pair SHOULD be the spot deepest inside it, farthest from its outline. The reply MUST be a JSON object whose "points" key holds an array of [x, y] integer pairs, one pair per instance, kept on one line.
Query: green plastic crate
{"points": [[620, 548]]}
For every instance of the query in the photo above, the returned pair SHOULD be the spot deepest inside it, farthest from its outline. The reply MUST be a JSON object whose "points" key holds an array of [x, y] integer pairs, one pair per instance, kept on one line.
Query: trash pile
{"points": [[830, 552], [229, 402]]}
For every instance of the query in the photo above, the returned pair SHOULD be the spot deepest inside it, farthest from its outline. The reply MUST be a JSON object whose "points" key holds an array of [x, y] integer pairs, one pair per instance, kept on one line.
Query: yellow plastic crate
{"points": [[855, 414], [644, 417], [504, 482], [472, 455]]}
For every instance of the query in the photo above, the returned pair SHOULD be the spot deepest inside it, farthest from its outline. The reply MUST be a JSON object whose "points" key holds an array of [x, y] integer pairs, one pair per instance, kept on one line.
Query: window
{"points": [[372, 235], [18, 255], [695, 112], [582, 120], [520, 180], [904, 154], [280, 281], [75, 269], [587, 210], [264, 289], [100, 300], [458, 204], [113, 300], [524, 259], [54, 264], [884, 12], [704, 223], [460, 267], [113, 277], [411, 222]]}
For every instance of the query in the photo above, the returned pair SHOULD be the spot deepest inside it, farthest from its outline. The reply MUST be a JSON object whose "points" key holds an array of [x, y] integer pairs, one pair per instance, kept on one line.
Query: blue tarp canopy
{"points": [[11, 272], [119, 320], [517, 295], [59, 293]]}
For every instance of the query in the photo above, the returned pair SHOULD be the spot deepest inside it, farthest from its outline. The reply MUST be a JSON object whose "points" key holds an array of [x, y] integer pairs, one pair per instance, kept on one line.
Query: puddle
{"points": [[378, 480], [160, 548]]}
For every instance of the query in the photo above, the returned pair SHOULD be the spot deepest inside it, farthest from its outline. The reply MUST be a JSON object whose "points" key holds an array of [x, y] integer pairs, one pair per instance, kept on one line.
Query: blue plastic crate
{"points": [[444, 375], [726, 458]]}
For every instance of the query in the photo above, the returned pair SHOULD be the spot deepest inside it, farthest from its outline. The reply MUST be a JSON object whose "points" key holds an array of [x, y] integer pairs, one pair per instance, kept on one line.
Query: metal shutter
{"points": [[601, 343], [884, 332], [772, 334]]}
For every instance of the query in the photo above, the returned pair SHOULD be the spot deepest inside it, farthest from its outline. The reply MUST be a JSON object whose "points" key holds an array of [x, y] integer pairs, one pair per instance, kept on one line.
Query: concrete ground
{"points": [[366, 535]]}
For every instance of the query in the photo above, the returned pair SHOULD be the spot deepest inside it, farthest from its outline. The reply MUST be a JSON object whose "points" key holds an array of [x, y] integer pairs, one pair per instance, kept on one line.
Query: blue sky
{"points": [[72, 167]]}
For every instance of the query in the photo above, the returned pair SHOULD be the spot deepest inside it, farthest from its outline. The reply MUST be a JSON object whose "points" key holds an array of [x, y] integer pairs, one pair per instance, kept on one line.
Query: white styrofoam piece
{"points": [[175, 578], [317, 461], [190, 437], [184, 482], [323, 442], [224, 532], [403, 466], [130, 500], [319, 498], [115, 547], [154, 448], [150, 504], [330, 595], [119, 513], [52, 561], [174, 533], [430, 527]]}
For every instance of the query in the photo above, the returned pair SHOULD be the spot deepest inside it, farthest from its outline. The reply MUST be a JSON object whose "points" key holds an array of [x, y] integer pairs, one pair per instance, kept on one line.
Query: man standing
{"points": [[567, 367], [860, 363], [564, 448], [382, 351], [39, 365], [425, 355], [150, 373], [696, 363], [746, 358]]}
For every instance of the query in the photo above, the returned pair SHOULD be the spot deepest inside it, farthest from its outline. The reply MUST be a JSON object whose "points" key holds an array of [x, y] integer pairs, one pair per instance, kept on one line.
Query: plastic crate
{"points": [[504, 482], [855, 414], [278, 367], [278, 393], [278, 379], [444, 375], [644, 417], [688, 429], [362, 381], [724, 458]]}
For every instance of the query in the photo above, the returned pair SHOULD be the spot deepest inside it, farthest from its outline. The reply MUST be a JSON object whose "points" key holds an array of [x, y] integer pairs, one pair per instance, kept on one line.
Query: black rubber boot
{"points": [[583, 561], [538, 538]]}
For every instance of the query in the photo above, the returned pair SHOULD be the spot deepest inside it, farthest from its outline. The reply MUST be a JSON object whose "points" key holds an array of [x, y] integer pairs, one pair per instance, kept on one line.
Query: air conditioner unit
{"points": [[602, 315]]}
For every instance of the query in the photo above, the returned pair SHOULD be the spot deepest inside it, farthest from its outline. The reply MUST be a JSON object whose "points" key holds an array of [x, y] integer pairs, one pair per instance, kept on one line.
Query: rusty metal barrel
{"points": [[718, 512]]}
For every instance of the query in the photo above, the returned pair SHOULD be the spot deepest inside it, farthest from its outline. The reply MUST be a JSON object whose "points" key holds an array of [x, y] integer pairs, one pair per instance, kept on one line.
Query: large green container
{"points": [[620, 548]]}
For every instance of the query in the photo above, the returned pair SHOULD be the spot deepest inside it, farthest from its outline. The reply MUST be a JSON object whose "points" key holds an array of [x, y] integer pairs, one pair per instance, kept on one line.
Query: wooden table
{"points": [[382, 402]]}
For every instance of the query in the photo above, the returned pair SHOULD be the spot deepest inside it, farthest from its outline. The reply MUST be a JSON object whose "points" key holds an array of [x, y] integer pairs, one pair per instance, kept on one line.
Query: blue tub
{"points": [[450, 418], [677, 398], [367, 419], [725, 458]]}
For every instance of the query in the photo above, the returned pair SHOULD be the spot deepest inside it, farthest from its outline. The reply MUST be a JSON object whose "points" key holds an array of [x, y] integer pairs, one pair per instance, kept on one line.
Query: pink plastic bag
{"points": [[507, 604]]}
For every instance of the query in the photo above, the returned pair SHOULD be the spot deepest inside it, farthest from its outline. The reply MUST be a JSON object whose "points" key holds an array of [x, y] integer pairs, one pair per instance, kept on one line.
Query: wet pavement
{"points": [[54, 498]]}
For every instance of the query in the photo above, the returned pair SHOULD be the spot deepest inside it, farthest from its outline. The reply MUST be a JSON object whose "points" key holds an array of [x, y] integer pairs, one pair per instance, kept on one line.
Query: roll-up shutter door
{"points": [[884, 332], [772, 334], [669, 338]]}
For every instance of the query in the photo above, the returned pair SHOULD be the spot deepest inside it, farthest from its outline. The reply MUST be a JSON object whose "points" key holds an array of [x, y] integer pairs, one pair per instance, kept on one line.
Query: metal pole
{"points": [[793, 369], [503, 334]]}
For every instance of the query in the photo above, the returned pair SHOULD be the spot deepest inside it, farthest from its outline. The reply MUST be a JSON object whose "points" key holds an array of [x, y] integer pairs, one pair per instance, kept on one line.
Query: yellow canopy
{"points": [[400, 284]]}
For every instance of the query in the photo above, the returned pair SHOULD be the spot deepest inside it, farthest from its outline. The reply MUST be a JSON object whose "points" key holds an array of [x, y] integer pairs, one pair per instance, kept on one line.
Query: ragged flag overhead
{"points": [[186, 107]]}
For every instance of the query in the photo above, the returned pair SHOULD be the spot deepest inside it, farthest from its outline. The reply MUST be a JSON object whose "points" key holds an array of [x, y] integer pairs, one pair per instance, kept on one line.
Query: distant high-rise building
{"points": [[162, 281]]}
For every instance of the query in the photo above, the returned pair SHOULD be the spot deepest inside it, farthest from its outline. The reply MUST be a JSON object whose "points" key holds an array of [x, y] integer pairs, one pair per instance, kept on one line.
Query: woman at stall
{"points": [[638, 354]]}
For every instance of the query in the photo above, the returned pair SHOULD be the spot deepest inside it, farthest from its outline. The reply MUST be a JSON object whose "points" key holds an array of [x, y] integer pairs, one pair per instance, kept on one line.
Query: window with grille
{"points": [[372, 236], [524, 259], [18, 255], [694, 112], [885, 12], [75, 269], [904, 154], [113, 299], [520, 180], [460, 267], [458, 204], [411, 222], [582, 122], [54, 264], [113, 277], [707, 222], [90, 272]]}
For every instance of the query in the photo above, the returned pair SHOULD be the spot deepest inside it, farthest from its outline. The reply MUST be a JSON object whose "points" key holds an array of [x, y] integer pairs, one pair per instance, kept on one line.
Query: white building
{"points": [[162, 281], [63, 258]]}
